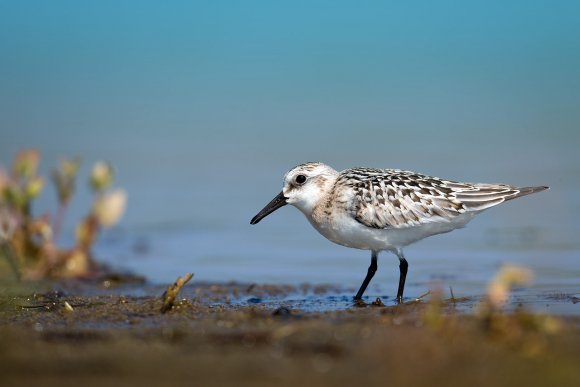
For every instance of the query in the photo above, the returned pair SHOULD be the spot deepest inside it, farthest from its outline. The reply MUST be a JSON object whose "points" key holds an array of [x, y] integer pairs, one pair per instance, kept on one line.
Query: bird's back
{"points": [[391, 198]]}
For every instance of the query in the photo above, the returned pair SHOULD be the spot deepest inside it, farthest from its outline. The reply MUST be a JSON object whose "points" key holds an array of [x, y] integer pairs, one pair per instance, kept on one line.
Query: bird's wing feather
{"points": [[384, 198]]}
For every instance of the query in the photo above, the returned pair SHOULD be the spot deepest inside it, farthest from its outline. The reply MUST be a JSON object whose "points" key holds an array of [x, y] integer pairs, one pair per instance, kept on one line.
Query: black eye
{"points": [[300, 179]]}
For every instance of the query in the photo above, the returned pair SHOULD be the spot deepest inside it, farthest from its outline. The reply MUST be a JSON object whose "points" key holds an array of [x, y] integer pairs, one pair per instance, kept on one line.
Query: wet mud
{"points": [[95, 332]]}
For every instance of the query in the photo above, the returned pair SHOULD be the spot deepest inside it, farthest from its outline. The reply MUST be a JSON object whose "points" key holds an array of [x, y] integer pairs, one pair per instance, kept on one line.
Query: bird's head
{"points": [[304, 186]]}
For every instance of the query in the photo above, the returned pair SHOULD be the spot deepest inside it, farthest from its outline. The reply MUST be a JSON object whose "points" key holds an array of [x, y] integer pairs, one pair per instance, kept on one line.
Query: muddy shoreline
{"points": [[243, 334]]}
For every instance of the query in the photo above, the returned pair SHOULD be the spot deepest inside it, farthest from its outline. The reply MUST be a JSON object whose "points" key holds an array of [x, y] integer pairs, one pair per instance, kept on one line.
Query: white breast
{"points": [[345, 230]]}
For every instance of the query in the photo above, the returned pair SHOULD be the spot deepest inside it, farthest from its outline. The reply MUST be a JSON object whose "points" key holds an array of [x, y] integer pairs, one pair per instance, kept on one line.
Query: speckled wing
{"points": [[388, 198]]}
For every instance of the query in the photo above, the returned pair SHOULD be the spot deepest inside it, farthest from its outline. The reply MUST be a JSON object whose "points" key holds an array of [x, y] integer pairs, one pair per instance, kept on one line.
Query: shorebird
{"points": [[384, 209]]}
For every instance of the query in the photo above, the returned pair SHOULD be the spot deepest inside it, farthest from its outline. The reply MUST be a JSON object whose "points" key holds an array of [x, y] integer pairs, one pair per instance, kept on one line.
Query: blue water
{"points": [[202, 107]]}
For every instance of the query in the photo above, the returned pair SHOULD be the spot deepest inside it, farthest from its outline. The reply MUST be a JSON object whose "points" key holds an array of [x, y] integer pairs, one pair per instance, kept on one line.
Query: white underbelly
{"points": [[348, 232]]}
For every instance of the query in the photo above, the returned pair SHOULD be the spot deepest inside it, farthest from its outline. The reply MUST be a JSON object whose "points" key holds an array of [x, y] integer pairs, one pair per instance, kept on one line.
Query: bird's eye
{"points": [[300, 179]]}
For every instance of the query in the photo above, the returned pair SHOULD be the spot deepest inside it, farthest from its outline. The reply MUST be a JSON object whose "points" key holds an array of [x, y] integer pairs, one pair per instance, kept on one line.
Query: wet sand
{"points": [[240, 334]]}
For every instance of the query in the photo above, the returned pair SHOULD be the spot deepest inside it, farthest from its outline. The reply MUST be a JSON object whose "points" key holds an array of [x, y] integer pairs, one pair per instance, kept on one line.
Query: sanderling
{"points": [[384, 209]]}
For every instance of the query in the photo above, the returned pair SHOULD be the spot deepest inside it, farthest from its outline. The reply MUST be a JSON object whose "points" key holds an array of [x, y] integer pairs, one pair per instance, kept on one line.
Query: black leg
{"points": [[403, 266], [370, 273]]}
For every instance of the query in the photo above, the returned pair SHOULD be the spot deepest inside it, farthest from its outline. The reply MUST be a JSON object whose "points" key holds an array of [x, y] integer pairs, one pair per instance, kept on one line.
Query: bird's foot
{"points": [[359, 303]]}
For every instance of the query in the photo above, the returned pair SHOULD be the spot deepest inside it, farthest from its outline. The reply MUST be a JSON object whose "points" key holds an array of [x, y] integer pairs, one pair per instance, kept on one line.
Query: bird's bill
{"points": [[279, 201]]}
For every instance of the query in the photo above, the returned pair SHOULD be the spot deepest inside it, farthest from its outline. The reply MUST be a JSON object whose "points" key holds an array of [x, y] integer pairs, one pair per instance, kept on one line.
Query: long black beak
{"points": [[277, 202]]}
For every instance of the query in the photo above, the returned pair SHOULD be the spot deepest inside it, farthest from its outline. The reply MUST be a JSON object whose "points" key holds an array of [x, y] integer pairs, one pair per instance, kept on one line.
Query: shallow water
{"points": [[305, 257], [539, 302], [200, 224]]}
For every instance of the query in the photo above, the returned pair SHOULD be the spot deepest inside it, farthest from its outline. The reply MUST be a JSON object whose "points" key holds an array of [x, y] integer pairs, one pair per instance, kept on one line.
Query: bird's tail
{"points": [[523, 191], [489, 195]]}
